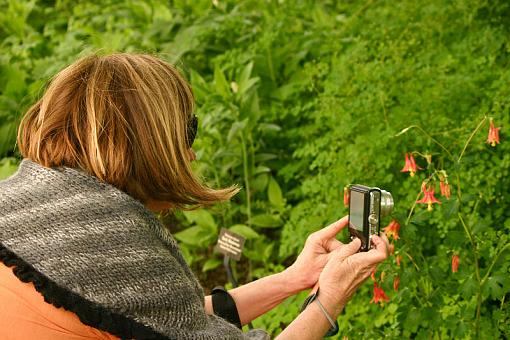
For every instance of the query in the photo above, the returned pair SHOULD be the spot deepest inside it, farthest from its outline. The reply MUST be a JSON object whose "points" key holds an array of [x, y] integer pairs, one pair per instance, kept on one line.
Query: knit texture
{"points": [[93, 249]]}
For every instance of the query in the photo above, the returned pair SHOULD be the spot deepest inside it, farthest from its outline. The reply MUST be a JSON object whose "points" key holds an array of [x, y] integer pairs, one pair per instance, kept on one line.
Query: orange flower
{"points": [[493, 137], [396, 283], [410, 165], [428, 196], [455, 263], [372, 275], [392, 229], [347, 196], [445, 189], [398, 258], [379, 295]]}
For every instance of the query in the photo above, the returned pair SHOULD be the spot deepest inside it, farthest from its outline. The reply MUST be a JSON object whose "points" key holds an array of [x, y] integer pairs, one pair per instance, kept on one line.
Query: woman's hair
{"points": [[122, 118]]}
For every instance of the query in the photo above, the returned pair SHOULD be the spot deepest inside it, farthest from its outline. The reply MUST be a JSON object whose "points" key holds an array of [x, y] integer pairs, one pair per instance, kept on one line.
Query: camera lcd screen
{"points": [[356, 210]]}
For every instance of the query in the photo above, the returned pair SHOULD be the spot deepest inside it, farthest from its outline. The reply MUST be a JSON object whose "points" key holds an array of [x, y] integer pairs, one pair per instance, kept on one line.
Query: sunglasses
{"points": [[192, 130]]}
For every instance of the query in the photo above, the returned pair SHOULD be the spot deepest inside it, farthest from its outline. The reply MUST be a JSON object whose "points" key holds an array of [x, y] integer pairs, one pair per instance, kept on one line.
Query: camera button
{"points": [[372, 219]]}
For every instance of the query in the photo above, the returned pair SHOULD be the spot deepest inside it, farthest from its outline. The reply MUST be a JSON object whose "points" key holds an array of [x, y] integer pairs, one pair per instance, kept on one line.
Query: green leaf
{"points": [[261, 169], [246, 86], [16, 83], [211, 264], [246, 73], [203, 219], [259, 183], [266, 221], [7, 137], [262, 157], [245, 82], [236, 128], [450, 207], [493, 287], [268, 250], [200, 88], [421, 216], [269, 127], [221, 83], [275, 194], [244, 231], [192, 236], [469, 287], [8, 166]]}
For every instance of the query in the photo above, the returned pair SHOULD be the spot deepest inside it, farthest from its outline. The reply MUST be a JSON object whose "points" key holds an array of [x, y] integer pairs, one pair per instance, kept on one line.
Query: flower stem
{"points": [[246, 181], [486, 276], [429, 136], [471, 137], [477, 273], [470, 234], [412, 209], [248, 196], [412, 260]]}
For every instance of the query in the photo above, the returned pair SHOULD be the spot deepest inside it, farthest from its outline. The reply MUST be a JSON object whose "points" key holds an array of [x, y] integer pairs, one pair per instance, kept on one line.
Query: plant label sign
{"points": [[230, 244]]}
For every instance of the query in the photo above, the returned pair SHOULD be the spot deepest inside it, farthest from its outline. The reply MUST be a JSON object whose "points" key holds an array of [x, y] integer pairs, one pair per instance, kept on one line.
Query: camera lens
{"points": [[386, 203]]}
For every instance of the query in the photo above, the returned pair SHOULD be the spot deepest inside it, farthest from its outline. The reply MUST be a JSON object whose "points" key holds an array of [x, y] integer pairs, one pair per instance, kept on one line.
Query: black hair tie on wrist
{"points": [[224, 306]]}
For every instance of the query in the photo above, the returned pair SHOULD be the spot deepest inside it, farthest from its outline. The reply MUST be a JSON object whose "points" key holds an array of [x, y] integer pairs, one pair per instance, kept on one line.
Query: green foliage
{"points": [[297, 99]]}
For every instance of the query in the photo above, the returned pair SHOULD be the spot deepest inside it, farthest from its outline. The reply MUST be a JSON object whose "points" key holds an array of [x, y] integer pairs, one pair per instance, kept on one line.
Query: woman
{"points": [[109, 141]]}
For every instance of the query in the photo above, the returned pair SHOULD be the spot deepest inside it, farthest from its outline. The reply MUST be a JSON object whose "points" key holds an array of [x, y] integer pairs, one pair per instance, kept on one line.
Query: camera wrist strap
{"points": [[314, 296]]}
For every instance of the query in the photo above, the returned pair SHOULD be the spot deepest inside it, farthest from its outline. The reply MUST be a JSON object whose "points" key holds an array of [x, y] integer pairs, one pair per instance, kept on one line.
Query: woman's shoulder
{"points": [[63, 189], [53, 216], [95, 241]]}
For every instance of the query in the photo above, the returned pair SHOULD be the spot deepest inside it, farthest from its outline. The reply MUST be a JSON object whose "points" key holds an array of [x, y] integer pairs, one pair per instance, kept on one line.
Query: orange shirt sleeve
{"points": [[25, 315]]}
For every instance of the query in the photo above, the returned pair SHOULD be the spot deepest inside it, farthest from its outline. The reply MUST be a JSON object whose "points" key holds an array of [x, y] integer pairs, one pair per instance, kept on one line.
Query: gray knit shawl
{"points": [[93, 249]]}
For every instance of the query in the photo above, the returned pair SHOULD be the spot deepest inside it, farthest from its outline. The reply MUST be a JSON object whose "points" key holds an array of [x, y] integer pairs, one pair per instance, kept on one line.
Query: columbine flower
{"points": [[445, 189], [443, 184], [398, 258], [392, 229], [410, 165], [455, 263], [493, 137], [347, 196], [396, 283], [428, 196], [379, 295]]}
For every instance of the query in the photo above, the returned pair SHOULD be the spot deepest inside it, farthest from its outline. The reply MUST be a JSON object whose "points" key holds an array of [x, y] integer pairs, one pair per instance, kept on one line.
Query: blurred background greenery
{"points": [[297, 99]]}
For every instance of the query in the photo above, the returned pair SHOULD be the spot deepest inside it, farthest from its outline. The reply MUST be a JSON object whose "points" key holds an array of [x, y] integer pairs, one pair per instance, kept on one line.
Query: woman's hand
{"points": [[319, 247], [347, 269], [344, 271]]}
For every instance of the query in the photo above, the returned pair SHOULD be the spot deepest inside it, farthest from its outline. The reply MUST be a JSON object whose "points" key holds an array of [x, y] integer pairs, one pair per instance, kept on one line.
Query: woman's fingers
{"points": [[334, 228], [348, 249], [381, 243], [333, 244], [375, 255]]}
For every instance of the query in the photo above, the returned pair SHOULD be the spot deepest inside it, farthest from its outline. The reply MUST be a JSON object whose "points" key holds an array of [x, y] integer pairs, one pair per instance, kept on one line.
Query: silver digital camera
{"points": [[367, 206]]}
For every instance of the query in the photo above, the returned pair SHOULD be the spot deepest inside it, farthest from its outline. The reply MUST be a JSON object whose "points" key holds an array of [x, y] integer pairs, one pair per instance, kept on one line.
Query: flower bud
{"points": [[455, 263], [347, 196], [396, 283]]}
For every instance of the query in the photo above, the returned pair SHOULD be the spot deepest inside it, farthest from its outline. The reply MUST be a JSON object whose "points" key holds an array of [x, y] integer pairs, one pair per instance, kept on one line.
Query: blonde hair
{"points": [[122, 118]]}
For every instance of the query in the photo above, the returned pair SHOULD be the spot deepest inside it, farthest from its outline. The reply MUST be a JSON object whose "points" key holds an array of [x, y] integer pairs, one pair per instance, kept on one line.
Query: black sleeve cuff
{"points": [[224, 306]]}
